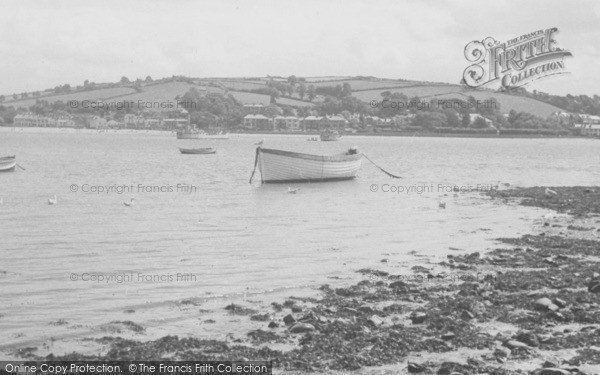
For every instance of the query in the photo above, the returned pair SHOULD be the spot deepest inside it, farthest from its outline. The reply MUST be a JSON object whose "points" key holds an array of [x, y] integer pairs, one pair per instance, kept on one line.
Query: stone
{"points": [[415, 368], [296, 309], [448, 336], [594, 286], [289, 320], [302, 327], [560, 303], [528, 338], [514, 344], [375, 320], [467, 315], [545, 304], [273, 325], [418, 317], [554, 371]]}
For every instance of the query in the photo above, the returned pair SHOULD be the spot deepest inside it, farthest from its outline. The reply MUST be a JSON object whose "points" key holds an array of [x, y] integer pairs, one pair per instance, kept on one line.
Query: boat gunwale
{"points": [[337, 158]]}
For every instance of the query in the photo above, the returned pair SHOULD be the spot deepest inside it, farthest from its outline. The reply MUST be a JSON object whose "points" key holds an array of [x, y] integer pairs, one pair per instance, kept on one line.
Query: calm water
{"points": [[236, 238]]}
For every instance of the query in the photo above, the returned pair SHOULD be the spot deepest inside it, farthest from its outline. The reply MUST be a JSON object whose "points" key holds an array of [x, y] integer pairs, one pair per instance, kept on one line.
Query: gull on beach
{"points": [[442, 204], [130, 203], [260, 143], [52, 201], [550, 193], [292, 191]]}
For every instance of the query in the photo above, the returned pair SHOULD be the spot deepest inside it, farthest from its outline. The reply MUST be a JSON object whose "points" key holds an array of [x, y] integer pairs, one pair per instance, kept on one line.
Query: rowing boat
{"points": [[8, 163], [195, 151], [286, 166]]}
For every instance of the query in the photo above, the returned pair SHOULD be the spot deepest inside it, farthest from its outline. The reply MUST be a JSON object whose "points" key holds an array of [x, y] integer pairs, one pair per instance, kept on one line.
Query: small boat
{"points": [[207, 150], [286, 166], [330, 135], [8, 163]]}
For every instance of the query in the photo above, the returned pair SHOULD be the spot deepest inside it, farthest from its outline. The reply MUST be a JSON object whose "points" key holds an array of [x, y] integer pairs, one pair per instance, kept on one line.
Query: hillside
{"points": [[363, 89]]}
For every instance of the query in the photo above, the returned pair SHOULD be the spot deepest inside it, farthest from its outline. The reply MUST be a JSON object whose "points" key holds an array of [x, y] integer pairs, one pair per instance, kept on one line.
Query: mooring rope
{"points": [[383, 170], [255, 163]]}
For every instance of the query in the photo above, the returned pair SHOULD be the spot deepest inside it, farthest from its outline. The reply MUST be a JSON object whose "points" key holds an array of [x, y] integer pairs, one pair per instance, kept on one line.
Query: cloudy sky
{"points": [[47, 43]]}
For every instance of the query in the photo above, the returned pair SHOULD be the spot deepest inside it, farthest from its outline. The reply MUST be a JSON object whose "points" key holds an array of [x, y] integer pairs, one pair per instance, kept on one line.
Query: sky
{"points": [[48, 43]]}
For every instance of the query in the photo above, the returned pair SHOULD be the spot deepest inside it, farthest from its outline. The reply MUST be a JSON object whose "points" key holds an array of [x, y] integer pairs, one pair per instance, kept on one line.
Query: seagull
{"points": [[550, 193], [52, 201], [130, 203], [292, 191], [442, 204], [260, 143]]}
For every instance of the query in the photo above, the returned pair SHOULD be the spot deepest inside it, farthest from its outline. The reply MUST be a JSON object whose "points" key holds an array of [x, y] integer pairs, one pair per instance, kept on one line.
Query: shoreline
{"points": [[11, 129], [536, 307]]}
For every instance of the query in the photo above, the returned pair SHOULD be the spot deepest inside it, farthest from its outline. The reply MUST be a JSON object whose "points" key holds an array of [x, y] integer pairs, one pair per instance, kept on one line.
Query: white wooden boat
{"points": [[195, 151], [8, 163], [285, 166]]}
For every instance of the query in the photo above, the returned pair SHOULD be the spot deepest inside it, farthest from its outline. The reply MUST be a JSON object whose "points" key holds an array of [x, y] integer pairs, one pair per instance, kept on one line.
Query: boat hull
{"points": [[8, 164], [197, 151], [278, 166]]}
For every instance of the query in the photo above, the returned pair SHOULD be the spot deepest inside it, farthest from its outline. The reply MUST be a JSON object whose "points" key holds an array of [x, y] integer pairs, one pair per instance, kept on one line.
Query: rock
{"points": [[399, 286], [467, 315], [418, 317], [594, 286], [375, 320], [528, 338], [296, 309], [273, 325], [560, 303], [366, 309], [302, 327], [501, 354], [415, 368], [514, 344], [545, 304], [349, 310], [289, 320], [554, 371], [448, 336]]}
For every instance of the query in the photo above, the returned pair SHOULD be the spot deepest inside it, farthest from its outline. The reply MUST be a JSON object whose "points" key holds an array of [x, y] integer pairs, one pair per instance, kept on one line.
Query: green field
{"points": [[100, 94]]}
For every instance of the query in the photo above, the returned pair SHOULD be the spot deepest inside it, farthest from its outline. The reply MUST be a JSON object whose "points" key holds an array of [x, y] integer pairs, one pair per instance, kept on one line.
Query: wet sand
{"points": [[530, 306]]}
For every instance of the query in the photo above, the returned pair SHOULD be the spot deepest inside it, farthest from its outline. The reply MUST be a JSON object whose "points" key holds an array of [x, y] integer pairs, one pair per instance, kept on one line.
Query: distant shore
{"points": [[11, 129], [532, 306]]}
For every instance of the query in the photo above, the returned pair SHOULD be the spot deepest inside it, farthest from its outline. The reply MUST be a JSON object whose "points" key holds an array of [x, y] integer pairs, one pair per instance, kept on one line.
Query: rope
{"points": [[255, 163], [383, 170], [18, 165]]}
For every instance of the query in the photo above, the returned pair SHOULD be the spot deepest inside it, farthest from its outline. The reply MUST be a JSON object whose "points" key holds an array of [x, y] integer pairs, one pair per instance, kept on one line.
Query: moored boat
{"points": [[8, 163], [206, 150], [330, 135], [286, 166]]}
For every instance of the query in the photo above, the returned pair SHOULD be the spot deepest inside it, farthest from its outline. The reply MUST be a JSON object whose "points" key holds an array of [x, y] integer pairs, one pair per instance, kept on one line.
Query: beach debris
{"points": [[302, 328], [52, 201], [415, 368], [467, 315], [418, 317], [289, 320], [545, 304], [442, 204], [130, 203], [448, 336]]}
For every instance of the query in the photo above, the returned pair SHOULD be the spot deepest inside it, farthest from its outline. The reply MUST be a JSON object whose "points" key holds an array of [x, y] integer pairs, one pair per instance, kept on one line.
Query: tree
{"points": [[301, 90], [311, 92], [480, 123], [148, 79], [124, 80], [2, 98], [452, 120], [346, 89], [466, 120], [15, 96], [429, 120], [292, 80], [86, 84], [24, 95]]}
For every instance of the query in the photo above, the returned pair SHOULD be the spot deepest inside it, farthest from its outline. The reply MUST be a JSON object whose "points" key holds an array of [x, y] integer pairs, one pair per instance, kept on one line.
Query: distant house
{"points": [[134, 122], [175, 123], [98, 122], [112, 124], [591, 130], [31, 120], [254, 109], [475, 116], [257, 122], [291, 123], [335, 122], [152, 123], [312, 123], [589, 119], [64, 123]]}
